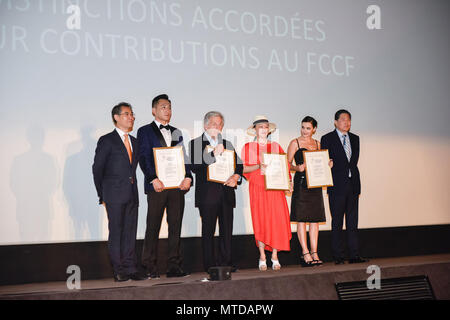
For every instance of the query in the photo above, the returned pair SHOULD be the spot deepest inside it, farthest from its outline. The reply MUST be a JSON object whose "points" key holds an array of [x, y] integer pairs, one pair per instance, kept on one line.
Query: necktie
{"points": [[347, 147], [128, 147], [164, 127]]}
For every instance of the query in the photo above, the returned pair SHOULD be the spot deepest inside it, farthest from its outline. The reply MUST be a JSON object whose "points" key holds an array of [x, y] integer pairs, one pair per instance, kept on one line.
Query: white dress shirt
{"points": [[341, 137], [213, 143], [167, 135], [122, 136]]}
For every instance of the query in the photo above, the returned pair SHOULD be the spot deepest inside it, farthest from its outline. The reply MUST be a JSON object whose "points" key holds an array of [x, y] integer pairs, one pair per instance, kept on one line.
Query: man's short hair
{"points": [[160, 97], [339, 112], [211, 114], [117, 109]]}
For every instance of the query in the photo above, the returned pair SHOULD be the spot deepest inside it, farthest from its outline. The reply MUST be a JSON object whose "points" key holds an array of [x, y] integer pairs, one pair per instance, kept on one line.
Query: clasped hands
{"points": [[232, 181], [185, 185]]}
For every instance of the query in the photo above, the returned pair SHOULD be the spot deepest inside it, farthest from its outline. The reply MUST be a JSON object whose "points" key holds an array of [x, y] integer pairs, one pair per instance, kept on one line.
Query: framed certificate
{"points": [[277, 171], [317, 170], [169, 165], [223, 168]]}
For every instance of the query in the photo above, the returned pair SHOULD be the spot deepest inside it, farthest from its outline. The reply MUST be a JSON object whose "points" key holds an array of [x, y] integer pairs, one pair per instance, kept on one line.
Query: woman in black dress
{"points": [[306, 204]]}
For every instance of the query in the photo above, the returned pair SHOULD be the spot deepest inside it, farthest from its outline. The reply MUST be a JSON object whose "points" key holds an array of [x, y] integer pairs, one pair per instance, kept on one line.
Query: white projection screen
{"points": [[65, 64]]}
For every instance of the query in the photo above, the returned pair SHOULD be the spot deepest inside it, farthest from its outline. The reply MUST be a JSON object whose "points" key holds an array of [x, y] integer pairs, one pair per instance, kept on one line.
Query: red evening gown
{"points": [[270, 212]]}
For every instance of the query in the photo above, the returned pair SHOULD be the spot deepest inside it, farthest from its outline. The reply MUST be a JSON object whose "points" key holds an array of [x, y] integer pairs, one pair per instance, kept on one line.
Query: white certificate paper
{"points": [[277, 172], [318, 171], [169, 164], [223, 168]]}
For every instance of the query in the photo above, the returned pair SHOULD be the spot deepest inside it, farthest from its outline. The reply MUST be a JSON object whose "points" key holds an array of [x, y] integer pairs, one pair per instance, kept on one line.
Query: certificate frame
{"points": [[161, 154], [275, 182], [210, 172], [317, 170]]}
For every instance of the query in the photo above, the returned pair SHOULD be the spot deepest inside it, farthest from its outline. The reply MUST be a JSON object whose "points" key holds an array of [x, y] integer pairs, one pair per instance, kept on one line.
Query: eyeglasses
{"points": [[127, 114]]}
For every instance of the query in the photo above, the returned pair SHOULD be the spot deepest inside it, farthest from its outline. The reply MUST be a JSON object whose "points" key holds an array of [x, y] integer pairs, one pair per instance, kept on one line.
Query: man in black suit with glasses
{"points": [[114, 171], [343, 197]]}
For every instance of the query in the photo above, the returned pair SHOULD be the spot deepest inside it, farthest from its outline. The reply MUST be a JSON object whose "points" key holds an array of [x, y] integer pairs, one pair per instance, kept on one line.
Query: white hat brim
{"points": [[252, 132]]}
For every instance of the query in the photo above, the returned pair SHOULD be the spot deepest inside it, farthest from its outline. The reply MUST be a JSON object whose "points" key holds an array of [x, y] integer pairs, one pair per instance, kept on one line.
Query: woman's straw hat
{"points": [[261, 119]]}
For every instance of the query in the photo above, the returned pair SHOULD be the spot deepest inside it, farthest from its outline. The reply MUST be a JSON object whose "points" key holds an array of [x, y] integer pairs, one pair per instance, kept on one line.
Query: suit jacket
{"points": [[149, 137], [341, 165], [207, 192], [114, 176]]}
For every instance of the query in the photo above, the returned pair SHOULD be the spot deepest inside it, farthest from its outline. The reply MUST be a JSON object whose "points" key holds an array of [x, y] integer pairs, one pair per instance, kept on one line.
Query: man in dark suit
{"points": [[156, 135], [343, 148], [214, 200], [114, 171]]}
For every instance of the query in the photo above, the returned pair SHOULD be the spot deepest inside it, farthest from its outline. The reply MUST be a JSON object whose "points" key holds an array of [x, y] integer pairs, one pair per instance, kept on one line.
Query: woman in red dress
{"points": [[270, 212]]}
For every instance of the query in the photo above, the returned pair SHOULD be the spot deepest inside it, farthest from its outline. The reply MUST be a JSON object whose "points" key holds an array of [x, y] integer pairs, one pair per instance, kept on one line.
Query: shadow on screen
{"points": [[33, 181], [79, 189]]}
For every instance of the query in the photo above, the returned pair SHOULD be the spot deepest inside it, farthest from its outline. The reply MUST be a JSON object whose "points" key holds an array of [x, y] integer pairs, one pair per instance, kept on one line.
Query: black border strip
{"points": [[48, 262]]}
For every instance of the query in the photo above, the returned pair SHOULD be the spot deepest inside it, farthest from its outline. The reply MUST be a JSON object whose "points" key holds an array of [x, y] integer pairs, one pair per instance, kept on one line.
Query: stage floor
{"points": [[307, 283]]}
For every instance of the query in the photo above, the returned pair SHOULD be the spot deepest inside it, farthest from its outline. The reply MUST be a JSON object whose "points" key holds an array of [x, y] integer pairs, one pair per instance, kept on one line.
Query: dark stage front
{"points": [[290, 283], [21, 264]]}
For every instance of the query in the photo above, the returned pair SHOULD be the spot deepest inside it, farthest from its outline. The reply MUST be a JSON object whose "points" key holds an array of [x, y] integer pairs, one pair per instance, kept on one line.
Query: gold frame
{"points": [[306, 168], [156, 162], [234, 168], [287, 171]]}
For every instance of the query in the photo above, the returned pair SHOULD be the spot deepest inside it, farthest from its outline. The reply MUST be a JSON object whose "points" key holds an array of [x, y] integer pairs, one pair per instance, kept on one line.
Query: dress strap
{"points": [[298, 144], [317, 145]]}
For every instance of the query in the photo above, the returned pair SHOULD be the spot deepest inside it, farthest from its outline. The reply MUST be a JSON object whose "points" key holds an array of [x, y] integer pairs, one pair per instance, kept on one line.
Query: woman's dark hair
{"points": [[339, 112], [117, 109], [310, 120]]}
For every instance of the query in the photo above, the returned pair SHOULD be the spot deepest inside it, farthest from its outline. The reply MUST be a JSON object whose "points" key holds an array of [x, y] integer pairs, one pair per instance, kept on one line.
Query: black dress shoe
{"points": [[357, 259], [121, 277], [339, 261], [177, 273], [137, 276], [153, 275]]}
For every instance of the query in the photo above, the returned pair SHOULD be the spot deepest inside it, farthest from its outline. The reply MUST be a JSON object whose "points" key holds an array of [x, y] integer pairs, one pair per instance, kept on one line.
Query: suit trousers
{"points": [[122, 225], [171, 200], [209, 213], [340, 206]]}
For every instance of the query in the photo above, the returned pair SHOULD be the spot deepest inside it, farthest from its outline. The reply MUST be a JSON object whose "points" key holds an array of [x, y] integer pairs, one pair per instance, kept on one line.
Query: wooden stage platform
{"points": [[290, 283]]}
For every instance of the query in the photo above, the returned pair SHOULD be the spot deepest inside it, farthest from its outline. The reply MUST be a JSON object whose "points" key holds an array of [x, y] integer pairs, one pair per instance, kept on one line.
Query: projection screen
{"points": [[65, 64]]}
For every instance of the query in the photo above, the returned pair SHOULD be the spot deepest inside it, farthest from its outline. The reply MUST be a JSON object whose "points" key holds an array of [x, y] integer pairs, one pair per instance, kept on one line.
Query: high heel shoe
{"points": [[276, 264], [305, 263], [316, 262], [262, 265]]}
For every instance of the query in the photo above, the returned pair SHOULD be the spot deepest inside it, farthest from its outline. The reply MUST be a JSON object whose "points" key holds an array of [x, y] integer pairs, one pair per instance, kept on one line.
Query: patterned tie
{"points": [[127, 145], [347, 147]]}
